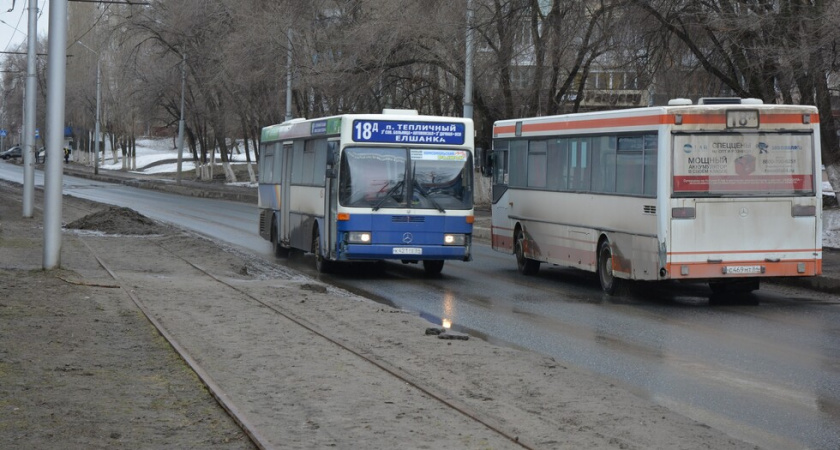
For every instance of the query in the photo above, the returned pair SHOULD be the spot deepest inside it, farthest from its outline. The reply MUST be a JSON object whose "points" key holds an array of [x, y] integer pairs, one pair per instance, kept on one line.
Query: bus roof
{"points": [[332, 125], [713, 115]]}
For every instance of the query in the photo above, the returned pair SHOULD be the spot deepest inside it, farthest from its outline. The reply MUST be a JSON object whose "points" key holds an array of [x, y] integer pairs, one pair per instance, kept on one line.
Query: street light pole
{"points": [[98, 89], [29, 153], [56, 80], [468, 69], [289, 76]]}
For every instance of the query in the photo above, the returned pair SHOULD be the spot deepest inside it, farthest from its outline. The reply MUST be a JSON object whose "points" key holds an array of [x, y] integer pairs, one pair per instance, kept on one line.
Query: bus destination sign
{"points": [[405, 132]]}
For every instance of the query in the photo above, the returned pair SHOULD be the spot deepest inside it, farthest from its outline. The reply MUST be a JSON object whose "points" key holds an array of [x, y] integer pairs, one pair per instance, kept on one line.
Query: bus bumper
{"points": [[414, 253], [801, 268]]}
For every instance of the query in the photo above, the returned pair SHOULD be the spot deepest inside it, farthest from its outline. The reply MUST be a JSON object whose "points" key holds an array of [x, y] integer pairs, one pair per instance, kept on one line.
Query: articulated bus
{"points": [[369, 187], [724, 191]]}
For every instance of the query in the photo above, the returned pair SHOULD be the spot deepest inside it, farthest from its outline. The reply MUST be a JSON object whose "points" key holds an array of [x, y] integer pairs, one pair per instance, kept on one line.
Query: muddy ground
{"points": [[82, 367]]}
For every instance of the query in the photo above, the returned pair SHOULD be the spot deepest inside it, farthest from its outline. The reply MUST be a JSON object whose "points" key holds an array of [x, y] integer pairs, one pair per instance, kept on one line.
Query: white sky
{"points": [[18, 18]]}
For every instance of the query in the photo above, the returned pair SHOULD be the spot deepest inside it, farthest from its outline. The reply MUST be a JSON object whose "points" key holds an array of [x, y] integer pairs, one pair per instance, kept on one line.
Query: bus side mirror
{"points": [[332, 153]]}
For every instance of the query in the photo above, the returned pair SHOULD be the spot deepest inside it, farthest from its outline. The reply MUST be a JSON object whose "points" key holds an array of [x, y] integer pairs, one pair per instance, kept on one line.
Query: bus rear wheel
{"points": [[433, 266], [609, 283], [525, 265]]}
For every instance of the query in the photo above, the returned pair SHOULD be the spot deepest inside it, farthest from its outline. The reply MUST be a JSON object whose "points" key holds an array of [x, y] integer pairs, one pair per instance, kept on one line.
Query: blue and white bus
{"points": [[369, 187]]}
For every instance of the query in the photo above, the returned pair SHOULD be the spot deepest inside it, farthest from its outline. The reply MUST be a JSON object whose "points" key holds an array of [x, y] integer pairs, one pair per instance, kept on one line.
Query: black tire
{"points": [[321, 265], [525, 265], [433, 266], [609, 283]]}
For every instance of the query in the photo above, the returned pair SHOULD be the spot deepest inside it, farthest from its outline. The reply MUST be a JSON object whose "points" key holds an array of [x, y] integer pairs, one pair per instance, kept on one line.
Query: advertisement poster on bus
{"points": [[760, 163]]}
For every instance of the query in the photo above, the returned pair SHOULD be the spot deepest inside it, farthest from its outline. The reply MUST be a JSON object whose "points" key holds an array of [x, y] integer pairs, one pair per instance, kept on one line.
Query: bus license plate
{"points": [[742, 269], [408, 251]]}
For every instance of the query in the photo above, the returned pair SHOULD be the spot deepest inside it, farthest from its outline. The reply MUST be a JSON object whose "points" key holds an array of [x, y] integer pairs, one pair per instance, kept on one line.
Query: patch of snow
{"points": [[151, 151]]}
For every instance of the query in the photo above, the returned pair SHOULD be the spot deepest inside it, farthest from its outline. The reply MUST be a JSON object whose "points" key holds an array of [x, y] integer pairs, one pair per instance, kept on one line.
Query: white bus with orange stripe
{"points": [[725, 191]]}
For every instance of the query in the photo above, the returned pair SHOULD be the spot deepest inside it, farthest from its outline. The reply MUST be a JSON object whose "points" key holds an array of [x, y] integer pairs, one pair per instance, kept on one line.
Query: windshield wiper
{"points": [[426, 194], [388, 195]]}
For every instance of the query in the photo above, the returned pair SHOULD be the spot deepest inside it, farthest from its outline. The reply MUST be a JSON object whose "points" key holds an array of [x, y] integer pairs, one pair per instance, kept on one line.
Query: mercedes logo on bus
{"points": [[407, 238]]}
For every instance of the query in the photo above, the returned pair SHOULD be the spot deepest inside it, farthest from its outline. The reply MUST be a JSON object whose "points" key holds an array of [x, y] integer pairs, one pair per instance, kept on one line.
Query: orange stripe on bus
{"points": [[788, 118], [591, 123], [736, 252], [710, 119]]}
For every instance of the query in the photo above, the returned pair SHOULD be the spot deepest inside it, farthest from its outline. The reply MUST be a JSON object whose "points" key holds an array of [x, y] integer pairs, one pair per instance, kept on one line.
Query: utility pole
{"points": [[29, 113], [289, 77], [181, 122], [53, 172], [468, 70]]}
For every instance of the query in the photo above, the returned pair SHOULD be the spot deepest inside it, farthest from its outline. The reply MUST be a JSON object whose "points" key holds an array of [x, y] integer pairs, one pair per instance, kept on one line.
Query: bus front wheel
{"points": [[525, 265], [433, 266], [609, 283], [321, 265]]}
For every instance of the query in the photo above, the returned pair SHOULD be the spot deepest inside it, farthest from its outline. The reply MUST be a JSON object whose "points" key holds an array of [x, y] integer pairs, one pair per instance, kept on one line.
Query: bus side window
{"points": [[603, 164], [266, 165], [319, 163], [298, 175], [556, 164], [500, 162], [536, 164], [630, 165], [500, 169], [579, 165], [517, 173]]}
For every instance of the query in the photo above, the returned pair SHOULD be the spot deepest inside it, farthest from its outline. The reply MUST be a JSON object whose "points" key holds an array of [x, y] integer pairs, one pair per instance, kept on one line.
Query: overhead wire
{"points": [[17, 30]]}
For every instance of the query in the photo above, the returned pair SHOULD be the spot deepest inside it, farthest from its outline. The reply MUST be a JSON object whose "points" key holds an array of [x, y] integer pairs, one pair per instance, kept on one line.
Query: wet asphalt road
{"points": [[766, 373]]}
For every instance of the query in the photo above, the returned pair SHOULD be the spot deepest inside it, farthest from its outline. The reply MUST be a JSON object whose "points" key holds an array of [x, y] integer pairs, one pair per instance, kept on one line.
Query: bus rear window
{"points": [[714, 164]]}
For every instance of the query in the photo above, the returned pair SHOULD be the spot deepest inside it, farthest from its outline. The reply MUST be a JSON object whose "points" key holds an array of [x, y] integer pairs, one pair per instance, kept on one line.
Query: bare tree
{"points": [[782, 51]]}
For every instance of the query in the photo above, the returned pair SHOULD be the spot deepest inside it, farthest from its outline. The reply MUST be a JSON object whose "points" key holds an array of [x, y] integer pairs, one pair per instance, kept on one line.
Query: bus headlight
{"points": [[454, 239], [358, 237]]}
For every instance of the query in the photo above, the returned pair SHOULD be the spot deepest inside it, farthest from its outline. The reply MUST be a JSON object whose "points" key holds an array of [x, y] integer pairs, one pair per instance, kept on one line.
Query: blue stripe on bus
{"points": [[389, 228]]}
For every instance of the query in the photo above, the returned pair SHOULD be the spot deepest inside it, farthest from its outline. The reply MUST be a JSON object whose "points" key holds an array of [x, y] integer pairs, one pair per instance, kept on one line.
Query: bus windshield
{"points": [[379, 177], [751, 164]]}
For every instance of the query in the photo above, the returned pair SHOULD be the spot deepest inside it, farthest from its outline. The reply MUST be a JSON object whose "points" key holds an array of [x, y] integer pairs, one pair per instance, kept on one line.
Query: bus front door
{"points": [[502, 225], [285, 194], [331, 200]]}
